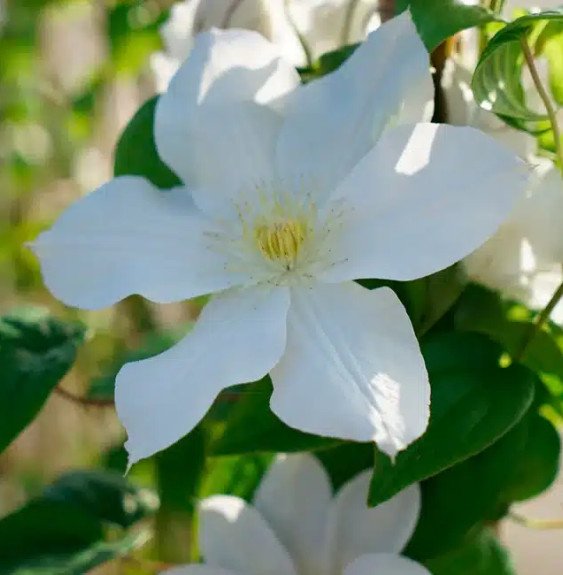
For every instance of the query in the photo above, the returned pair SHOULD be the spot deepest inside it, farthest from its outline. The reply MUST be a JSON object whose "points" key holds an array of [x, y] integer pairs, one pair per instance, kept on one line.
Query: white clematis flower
{"points": [[322, 25], [291, 192], [463, 110], [190, 17], [326, 25], [296, 527], [524, 259]]}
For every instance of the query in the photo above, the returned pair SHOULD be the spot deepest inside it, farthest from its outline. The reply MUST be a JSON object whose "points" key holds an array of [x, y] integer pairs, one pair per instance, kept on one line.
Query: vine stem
{"points": [[84, 401], [545, 99], [536, 523], [541, 319], [496, 6]]}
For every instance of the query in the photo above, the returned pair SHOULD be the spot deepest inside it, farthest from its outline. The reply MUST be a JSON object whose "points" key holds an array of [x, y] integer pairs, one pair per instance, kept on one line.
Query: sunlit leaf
{"points": [[497, 84], [474, 402]]}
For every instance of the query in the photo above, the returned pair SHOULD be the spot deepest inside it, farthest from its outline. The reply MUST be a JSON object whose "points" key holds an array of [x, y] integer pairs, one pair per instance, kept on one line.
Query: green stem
{"points": [[496, 6], [536, 523], [551, 113], [541, 319], [83, 401]]}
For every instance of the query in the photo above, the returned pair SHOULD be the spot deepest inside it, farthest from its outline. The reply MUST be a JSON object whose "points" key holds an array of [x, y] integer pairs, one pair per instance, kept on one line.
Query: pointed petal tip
{"points": [[131, 459]]}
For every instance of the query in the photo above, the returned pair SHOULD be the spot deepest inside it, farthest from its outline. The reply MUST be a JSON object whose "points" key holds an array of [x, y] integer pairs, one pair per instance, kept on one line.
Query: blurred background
{"points": [[72, 73]]}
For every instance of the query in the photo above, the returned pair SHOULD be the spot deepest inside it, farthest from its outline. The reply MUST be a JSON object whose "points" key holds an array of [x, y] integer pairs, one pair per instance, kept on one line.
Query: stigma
{"points": [[281, 241]]}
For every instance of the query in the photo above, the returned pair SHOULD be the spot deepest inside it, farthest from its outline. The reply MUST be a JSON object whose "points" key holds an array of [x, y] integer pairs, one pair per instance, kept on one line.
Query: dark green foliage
{"points": [[136, 154], [474, 402], [253, 428], [62, 531], [36, 351]]}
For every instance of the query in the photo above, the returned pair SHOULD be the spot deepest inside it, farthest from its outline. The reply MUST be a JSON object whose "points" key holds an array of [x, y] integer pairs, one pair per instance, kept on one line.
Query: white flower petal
{"points": [[197, 570], [385, 564], [218, 113], [294, 497], [327, 25], [178, 31], [333, 122], [283, 32], [230, 66], [505, 262], [268, 17], [128, 237], [239, 336], [233, 535], [163, 68], [423, 198], [352, 368], [355, 529], [541, 219], [228, 155], [248, 14], [464, 111]]}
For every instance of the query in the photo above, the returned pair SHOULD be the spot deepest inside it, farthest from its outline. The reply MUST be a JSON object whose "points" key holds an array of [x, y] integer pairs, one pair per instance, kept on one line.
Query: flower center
{"points": [[281, 241]]}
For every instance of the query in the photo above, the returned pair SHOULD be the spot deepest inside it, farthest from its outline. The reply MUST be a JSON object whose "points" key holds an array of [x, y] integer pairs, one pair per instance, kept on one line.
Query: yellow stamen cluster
{"points": [[281, 241]]}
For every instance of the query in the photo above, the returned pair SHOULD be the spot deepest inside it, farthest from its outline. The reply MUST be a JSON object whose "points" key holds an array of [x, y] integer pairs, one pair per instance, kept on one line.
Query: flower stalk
{"points": [[542, 92], [540, 321]]}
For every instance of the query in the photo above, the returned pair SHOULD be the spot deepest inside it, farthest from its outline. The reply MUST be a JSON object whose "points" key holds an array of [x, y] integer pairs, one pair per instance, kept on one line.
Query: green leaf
{"points": [[36, 351], [552, 47], [482, 310], [474, 402], [426, 299], [103, 495], [136, 153], [79, 562], [237, 475], [133, 33], [483, 555], [83, 561], [429, 298], [497, 79], [327, 63], [521, 464], [64, 527], [253, 428], [345, 461], [536, 465], [46, 527], [154, 343], [437, 20]]}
